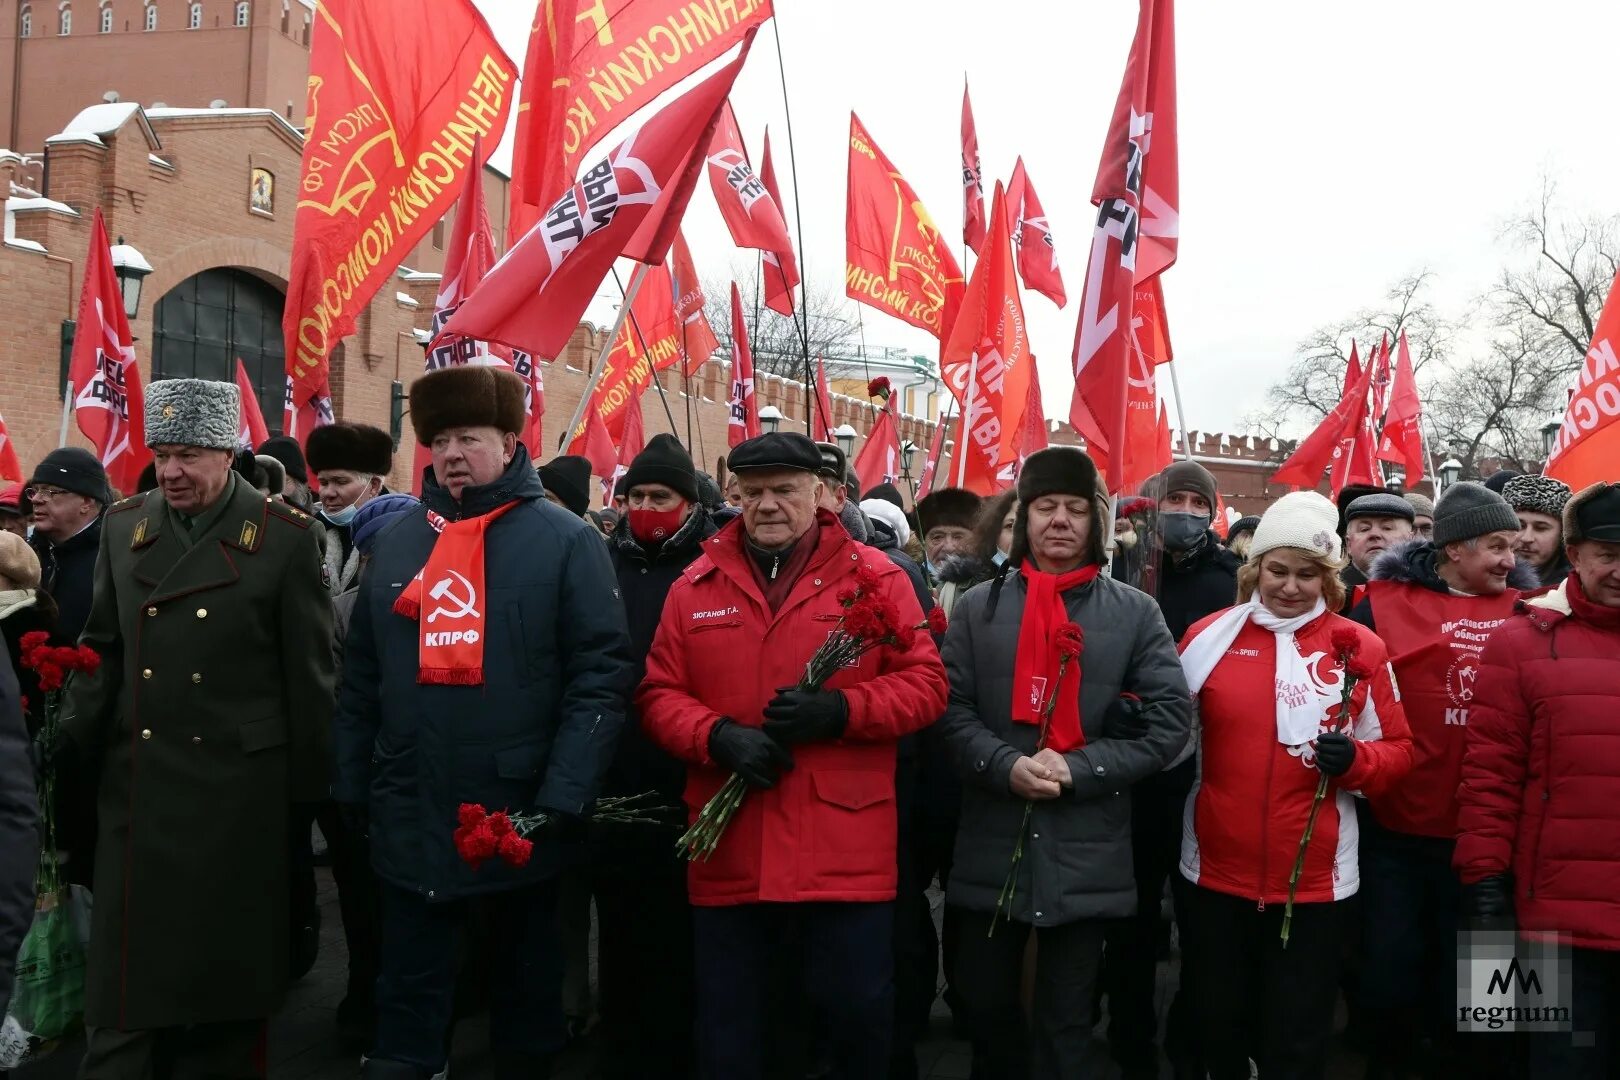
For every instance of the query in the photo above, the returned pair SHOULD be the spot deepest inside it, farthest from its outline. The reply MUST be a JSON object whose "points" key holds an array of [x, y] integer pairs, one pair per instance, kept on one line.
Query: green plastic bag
{"points": [[47, 1000]]}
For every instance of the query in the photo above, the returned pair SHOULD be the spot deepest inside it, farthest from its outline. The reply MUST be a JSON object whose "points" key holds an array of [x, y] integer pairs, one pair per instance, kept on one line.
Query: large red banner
{"points": [[895, 258], [591, 65], [399, 93], [1588, 444], [102, 376]]}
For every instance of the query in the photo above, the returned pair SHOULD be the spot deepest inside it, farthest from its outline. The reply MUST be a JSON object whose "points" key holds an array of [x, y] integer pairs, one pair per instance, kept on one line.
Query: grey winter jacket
{"points": [[1077, 856]]}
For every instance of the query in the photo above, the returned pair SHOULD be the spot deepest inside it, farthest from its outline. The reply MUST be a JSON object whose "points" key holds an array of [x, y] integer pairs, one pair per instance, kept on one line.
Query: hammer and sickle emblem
{"points": [[462, 603]]}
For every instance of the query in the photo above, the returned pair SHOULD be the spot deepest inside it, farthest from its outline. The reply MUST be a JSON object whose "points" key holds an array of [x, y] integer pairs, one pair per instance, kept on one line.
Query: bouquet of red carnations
{"points": [[869, 620], [482, 835]]}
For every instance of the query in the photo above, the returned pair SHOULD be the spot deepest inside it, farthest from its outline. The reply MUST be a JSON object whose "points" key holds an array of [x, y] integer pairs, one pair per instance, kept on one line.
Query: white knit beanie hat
{"points": [[891, 515], [1300, 519]]}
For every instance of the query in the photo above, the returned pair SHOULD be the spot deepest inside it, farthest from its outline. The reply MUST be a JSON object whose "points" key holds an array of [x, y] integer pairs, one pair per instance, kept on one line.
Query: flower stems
{"points": [[1299, 856], [698, 842], [1004, 901]]}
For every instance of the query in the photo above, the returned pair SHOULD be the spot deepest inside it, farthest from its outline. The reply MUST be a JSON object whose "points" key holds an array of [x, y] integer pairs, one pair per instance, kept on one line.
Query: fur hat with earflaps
{"points": [[468, 396], [1061, 470], [358, 448], [194, 412], [1593, 514]]}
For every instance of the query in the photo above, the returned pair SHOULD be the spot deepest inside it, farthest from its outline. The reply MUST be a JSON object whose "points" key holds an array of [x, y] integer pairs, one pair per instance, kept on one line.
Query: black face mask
{"points": [[1181, 531]]}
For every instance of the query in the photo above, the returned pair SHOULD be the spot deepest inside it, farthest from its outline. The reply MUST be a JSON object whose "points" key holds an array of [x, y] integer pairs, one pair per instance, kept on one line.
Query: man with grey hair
{"points": [[209, 718]]}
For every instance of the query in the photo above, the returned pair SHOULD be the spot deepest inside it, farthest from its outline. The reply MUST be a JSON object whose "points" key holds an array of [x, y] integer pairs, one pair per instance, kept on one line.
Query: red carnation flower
{"points": [[1358, 669], [1071, 640], [471, 815], [513, 849], [50, 675], [878, 387], [89, 659], [1346, 642], [500, 825], [475, 845], [936, 620], [30, 643]]}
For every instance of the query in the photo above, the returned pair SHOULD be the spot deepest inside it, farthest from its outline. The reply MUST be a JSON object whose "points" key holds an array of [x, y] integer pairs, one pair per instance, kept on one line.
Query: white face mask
{"points": [[344, 516]]}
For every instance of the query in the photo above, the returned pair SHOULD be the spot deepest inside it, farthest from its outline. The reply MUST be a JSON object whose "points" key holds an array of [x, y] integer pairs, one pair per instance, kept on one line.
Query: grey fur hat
{"points": [[1537, 494], [193, 412]]}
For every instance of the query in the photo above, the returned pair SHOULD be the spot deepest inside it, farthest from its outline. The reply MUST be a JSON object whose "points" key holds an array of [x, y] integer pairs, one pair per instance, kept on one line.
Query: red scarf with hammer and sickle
{"points": [[450, 641]]}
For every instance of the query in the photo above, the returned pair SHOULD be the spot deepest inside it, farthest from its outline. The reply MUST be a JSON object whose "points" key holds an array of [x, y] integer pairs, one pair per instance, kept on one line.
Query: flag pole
{"points": [[652, 373], [601, 358], [798, 222], [67, 407], [967, 418], [1181, 414]]}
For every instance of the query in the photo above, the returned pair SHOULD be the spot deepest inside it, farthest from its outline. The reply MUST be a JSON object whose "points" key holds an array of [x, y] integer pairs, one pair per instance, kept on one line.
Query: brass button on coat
{"points": [[146, 733], [196, 676], [202, 613], [151, 611], [196, 738], [146, 673]]}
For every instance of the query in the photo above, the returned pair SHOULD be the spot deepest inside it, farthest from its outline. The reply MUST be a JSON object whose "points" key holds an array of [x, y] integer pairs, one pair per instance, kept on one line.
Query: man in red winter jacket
{"points": [[1538, 821], [811, 850]]}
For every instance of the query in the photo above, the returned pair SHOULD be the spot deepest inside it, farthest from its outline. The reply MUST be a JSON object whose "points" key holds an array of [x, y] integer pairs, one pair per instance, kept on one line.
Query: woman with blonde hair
{"points": [[1268, 676]]}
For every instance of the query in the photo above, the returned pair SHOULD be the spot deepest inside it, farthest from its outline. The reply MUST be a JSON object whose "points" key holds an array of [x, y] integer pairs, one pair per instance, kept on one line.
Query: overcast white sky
{"points": [[1326, 149]]}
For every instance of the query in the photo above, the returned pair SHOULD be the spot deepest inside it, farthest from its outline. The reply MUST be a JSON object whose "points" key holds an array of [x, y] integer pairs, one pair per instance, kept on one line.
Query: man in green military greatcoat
{"points": [[210, 716]]}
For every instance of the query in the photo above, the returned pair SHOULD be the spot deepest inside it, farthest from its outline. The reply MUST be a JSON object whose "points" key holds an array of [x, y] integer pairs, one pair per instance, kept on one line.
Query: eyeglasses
{"points": [[43, 493]]}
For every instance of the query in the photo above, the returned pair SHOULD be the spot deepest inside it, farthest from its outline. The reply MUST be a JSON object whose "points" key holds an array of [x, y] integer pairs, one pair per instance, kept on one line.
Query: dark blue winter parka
{"points": [[537, 734]]}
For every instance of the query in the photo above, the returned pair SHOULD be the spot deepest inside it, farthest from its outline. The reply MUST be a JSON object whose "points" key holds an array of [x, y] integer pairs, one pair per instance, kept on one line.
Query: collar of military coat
{"points": [[239, 525]]}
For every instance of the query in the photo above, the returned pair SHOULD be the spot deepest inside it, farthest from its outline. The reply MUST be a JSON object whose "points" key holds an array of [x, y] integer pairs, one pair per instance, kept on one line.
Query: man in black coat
{"points": [[19, 833], [68, 493], [1197, 577], [487, 662], [644, 937]]}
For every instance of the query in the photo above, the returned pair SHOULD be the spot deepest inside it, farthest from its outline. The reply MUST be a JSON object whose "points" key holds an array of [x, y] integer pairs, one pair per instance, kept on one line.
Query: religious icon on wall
{"points": [[262, 191]]}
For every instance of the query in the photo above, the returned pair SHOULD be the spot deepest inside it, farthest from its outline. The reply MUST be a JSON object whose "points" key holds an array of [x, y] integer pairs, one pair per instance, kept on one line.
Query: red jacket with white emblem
{"points": [[1252, 799], [826, 831], [1540, 794]]}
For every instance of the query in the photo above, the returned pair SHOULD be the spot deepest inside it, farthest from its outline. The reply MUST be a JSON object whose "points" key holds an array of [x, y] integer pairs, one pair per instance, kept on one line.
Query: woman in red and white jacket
{"points": [[1268, 677]]}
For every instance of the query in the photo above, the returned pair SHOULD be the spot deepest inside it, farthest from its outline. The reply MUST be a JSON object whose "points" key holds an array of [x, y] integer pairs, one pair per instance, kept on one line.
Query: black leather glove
{"points": [[1125, 719], [1489, 899], [356, 819], [748, 752], [1335, 753], [555, 827], [799, 716]]}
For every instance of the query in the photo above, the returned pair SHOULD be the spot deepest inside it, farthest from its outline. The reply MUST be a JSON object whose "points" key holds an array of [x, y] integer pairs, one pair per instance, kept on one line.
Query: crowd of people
{"points": [[1331, 736]]}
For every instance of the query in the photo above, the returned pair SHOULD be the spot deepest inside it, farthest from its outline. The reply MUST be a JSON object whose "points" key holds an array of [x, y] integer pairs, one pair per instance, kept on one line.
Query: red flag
{"points": [[744, 406], [1031, 434], [629, 204], [895, 258], [1137, 195], [1402, 440], [633, 442], [648, 341], [398, 90], [10, 467], [1032, 236], [297, 421], [986, 361], [781, 269], [1305, 465], [879, 459], [1149, 346], [1352, 458], [103, 375], [972, 178], [1588, 443], [1381, 378], [595, 443], [591, 66], [823, 425], [936, 451], [1162, 457], [697, 336], [254, 430], [750, 210]]}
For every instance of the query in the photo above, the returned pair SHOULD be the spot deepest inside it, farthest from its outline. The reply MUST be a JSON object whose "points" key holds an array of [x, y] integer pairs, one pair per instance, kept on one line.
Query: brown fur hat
{"points": [[357, 448], [469, 396], [1593, 514]]}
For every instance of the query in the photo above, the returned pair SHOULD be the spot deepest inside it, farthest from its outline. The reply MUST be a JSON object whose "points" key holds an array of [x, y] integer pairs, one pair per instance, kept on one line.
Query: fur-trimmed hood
{"points": [[965, 569], [1414, 563]]}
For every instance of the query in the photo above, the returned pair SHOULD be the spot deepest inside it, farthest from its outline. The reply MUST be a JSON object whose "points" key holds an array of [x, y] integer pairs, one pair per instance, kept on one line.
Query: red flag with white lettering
{"points": [[972, 178], [1032, 236], [879, 459], [781, 268], [10, 467], [1137, 198], [697, 336], [313, 412], [1402, 441], [743, 405], [936, 452], [822, 423], [102, 376], [748, 207], [629, 204], [1588, 444], [254, 430], [986, 361]]}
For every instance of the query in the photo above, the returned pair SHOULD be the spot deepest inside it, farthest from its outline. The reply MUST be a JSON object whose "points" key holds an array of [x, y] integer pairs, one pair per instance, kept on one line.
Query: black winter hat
{"points": [[1498, 479], [948, 506], [1349, 494], [710, 497], [1467, 510], [1058, 470], [1241, 526], [1188, 476], [888, 493], [776, 450], [1381, 505], [75, 469], [1593, 514], [472, 395], [568, 477], [357, 448], [285, 449], [664, 461]]}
